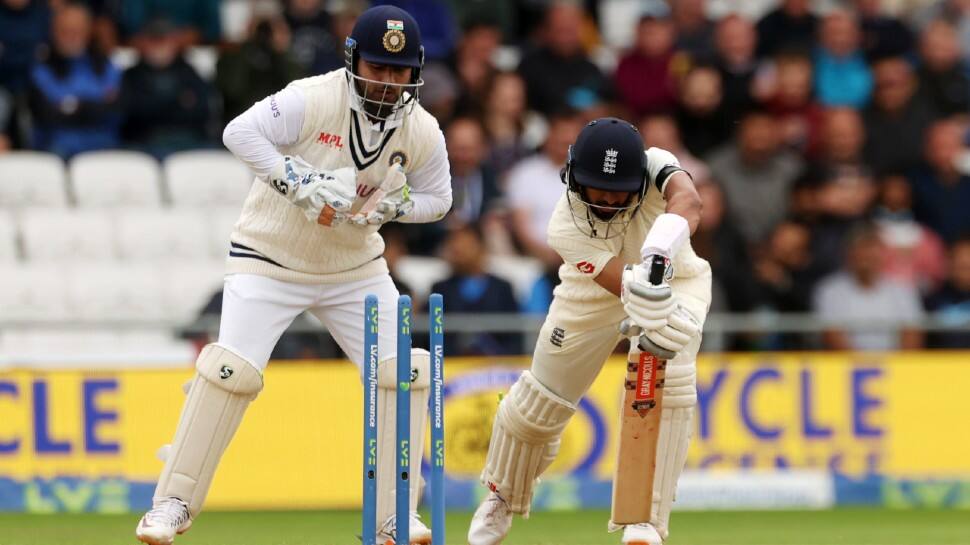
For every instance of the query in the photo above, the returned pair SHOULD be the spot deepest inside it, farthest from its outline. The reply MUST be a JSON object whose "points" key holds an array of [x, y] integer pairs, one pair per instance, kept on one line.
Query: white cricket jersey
{"points": [[312, 119], [578, 299]]}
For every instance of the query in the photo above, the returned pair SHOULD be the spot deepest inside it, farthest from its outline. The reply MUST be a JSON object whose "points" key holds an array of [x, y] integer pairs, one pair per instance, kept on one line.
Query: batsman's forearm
{"points": [[682, 199]]}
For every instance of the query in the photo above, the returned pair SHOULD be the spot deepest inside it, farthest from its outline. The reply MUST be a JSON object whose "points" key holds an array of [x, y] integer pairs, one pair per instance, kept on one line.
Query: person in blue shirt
{"points": [[471, 289], [842, 77], [74, 91]]}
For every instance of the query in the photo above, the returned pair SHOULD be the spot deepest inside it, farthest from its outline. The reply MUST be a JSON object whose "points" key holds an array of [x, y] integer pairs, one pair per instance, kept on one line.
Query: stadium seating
{"points": [[161, 235], [34, 292], [8, 238], [115, 179], [32, 178], [206, 179], [66, 235]]}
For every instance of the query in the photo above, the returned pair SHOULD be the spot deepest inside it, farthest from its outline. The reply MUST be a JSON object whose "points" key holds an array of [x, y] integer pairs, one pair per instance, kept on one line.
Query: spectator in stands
{"points": [[534, 187], [882, 35], [943, 78], [471, 289], [897, 119], [860, 294], [439, 28], [315, 45], [952, 301], [719, 241], [842, 77], [790, 26], [260, 67], [941, 187], [164, 101], [703, 124], [661, 131], [915, 255], [844, 195], [694, 31], [559, 66], [843, 138], [757, 175], [74, 90], [473, 64], [645, 80], [509, 124], [198, 20], [474, 188], [24, 27], [785, 278], [736, 39], [785, 89]]}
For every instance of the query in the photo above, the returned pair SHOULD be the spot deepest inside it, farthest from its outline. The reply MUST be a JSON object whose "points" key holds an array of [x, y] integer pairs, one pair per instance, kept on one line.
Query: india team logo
{"points": [[394, 39]]}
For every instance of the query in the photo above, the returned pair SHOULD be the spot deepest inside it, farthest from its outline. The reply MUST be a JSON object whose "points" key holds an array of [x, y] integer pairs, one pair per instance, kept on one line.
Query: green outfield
{"points": [[842, 527]]}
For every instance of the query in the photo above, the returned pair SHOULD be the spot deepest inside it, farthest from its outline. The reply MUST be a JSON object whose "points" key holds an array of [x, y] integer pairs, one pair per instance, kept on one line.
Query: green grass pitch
{"points": [[840, 527]]}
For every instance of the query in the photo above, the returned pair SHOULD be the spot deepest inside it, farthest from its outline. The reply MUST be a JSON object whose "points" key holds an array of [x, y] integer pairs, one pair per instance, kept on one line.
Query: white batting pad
{"points": [[677, 410], [525, 440], [387, 430], [223, 387]]}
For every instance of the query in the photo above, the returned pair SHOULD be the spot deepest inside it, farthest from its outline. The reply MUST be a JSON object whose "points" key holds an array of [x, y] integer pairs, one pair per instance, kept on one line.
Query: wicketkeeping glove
{"points": [[313, 190]]}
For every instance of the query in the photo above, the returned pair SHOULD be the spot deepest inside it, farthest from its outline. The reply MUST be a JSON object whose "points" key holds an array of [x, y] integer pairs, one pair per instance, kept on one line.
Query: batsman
{"points": [[622, 228]]}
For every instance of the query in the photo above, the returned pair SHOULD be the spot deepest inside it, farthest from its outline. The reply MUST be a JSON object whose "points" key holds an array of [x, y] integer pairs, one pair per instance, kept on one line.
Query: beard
{"points": [[377, 104]]}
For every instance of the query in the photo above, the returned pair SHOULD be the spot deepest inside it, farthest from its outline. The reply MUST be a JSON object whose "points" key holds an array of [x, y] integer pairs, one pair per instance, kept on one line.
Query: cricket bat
{"points": [[636, 454]]}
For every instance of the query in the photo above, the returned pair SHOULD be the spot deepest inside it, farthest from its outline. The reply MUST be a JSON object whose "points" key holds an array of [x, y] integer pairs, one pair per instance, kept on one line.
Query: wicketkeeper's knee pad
{"points": [[387, 430], [676, 415], [224, 385], [525, 440]]}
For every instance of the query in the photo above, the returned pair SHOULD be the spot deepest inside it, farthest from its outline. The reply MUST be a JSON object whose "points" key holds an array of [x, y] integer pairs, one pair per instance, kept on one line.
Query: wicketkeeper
{"points": [[622, 207], [336, 156]]}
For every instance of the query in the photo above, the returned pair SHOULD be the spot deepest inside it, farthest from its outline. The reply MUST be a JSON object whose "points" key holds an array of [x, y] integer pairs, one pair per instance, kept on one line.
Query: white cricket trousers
{"points": [[256, 310]]}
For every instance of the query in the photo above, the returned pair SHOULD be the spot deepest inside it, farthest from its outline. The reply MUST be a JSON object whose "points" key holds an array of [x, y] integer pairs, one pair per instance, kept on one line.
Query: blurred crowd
{"points": [[829, 141]]}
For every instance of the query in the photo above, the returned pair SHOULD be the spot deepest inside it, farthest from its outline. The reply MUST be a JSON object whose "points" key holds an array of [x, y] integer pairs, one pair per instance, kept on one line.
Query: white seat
{"points": [[221, 223], [115, 178], [32, 178], [8, 238], [161, 235], [66, 235], [420, 273], [189, 286], [34, 292], [58, 347], [206, 178], [117, 293], [521, 272]]}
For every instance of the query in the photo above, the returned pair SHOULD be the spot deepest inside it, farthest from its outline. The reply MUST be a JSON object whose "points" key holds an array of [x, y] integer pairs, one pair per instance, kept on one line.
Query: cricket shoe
{"points": [[418, 533], [491, 522], [641, 534], [167, 517]]}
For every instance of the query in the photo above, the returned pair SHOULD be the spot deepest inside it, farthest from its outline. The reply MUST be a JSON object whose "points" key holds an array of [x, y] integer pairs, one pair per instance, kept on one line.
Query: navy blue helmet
{"points": [[608, 155], [385, 35]]}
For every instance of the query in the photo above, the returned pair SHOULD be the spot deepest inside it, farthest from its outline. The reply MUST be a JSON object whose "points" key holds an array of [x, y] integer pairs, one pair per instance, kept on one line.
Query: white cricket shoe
{"points": [[491, 522], [641, 534], [167, 517], [418, 533]]}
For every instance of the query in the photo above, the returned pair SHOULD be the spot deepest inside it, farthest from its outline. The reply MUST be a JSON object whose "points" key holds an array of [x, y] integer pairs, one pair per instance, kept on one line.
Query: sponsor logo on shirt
{"points": [[585, 267], [332, 140]]}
